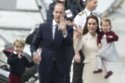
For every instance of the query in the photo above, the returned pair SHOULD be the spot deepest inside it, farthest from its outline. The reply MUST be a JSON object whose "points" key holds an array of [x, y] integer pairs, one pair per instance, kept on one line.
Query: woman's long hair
{"points": [[85, 29]]}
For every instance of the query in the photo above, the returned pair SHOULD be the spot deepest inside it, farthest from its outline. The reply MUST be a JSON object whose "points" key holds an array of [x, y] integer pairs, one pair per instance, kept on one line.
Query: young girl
{"points": [[107, 51], [18, 62]]}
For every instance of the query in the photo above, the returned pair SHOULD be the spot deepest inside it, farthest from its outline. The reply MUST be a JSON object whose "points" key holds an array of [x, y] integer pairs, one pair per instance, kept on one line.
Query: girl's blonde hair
{"points": [[105, 20]]}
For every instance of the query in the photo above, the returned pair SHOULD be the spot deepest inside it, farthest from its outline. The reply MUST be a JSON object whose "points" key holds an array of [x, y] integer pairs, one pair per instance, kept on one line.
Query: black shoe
{"points": [[97, 71], [109, 73]]}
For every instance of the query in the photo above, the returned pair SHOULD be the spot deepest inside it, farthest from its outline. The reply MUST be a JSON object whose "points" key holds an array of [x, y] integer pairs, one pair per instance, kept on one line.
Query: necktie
{"points": [[91, 13]]}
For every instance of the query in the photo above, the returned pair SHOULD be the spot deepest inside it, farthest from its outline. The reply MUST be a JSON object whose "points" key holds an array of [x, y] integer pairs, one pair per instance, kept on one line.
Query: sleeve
{"points": [[69, 38], [78, 44], [37, 39], [99, 37], [12, 59], [27, 63], [115, 37]]}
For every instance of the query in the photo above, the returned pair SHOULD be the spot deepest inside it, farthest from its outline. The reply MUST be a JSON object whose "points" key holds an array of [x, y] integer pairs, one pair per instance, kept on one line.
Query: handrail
{"points": [[42, 8], [112, 8]]}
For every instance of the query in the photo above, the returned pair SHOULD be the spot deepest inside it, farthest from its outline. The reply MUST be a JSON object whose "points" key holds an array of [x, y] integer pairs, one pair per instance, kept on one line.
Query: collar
{"points": [[90, 36], [54, 23], [87, 12]]}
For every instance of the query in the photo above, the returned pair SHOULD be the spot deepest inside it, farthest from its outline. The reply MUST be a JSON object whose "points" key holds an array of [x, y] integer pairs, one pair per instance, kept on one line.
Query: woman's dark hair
{"points": [[85, 29]]}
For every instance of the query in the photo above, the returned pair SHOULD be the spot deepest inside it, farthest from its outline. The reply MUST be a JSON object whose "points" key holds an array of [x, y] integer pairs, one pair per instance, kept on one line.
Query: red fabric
{"points": [[110, 33], [15, 79]]}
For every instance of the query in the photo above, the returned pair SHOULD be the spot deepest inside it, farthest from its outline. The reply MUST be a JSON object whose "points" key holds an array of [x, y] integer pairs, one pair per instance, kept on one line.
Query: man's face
{"points": [[58, 12], [93, 4]]}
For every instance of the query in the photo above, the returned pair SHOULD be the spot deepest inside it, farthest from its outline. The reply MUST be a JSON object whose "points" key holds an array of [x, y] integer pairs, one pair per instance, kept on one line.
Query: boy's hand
{"points": [[20, 54]]}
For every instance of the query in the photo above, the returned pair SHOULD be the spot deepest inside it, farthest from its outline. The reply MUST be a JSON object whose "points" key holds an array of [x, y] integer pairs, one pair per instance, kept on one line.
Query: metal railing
{"points": [[116, 4]]}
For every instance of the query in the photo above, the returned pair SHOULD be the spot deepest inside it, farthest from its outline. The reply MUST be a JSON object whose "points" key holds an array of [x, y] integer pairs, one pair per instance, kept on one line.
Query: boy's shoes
{"points": [[109, 73], [97, 71]]}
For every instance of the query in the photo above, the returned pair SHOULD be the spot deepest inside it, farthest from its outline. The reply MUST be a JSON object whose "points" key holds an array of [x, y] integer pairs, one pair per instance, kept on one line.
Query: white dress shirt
{"points": [[80, 18], [54, 24]]}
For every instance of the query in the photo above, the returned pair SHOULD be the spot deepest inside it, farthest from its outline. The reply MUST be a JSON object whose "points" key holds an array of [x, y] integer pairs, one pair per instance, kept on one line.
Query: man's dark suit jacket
{"points": [[58, 48]]}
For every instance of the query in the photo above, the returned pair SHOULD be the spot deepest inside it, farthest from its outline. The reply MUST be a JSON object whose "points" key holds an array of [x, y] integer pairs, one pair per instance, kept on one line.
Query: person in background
{"points": [[76, 6], [79, 21], [18, 62], [107, 49], [56, 39]]}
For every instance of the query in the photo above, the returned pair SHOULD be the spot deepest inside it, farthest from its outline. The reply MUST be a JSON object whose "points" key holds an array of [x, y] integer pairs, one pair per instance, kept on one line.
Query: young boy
{"points": [[18, 62], [107, 50]]}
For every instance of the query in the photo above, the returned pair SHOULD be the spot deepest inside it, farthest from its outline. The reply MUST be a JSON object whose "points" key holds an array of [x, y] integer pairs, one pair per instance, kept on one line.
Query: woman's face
{"points": [[92, 25]]}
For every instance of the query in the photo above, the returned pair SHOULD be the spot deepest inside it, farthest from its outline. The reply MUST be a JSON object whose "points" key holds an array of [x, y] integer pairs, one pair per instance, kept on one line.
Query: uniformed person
{"points": [[79, 21], [76, 6]]}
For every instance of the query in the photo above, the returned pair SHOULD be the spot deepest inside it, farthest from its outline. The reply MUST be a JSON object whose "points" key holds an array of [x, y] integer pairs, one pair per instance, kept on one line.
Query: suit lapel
{"points": [[50, 31]]}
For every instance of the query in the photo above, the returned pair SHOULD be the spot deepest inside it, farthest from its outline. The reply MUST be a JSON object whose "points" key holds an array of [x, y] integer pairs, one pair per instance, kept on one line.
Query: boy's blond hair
{"points": [[22, 42]]}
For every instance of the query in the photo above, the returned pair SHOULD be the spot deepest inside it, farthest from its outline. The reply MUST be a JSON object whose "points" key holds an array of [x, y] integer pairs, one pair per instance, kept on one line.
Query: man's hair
{"points": [[20, 41], [57, 3]]}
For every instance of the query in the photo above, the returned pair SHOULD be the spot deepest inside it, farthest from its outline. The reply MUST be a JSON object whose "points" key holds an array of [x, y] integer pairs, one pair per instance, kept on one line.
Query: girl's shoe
{"points": [[109, 73], [97, 71]]}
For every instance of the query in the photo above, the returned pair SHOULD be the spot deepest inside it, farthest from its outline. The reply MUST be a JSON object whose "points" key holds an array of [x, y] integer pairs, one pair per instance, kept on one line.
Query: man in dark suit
{"points": [[55, 38]]}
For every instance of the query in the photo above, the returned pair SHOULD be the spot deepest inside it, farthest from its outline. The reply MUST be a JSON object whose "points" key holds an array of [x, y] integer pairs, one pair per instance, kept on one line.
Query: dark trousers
{"points": [[78, 70], [68, 68], [52, 71], [14, 79]]}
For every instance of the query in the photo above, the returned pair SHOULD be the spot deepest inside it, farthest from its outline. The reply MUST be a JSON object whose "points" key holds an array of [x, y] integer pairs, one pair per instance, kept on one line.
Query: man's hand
{"points": [[62, 24], [77, 58], [36, 58], [20, 54]]}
